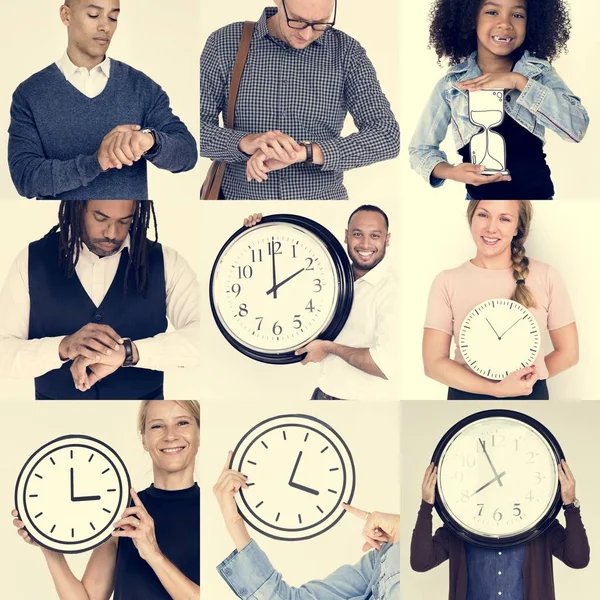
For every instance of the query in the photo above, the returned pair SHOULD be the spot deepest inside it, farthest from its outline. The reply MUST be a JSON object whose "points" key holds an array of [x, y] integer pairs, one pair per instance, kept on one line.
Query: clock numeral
{"points": [[260, 320], [318, 286], [531, 458], [497, 515], [309, 307], [236, 288], [464, 496], [458, 476], [294, 250], [468, 460], [243, 311], [274, 248], [256, 253], [297, 322], [310, 262], [538, 478], [517, 444], [480, 510], [277, 328], [529, 496], [245, 272], [517, 509]]}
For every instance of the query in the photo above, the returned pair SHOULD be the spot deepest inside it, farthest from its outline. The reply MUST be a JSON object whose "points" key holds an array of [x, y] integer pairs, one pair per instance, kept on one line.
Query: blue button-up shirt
{"points": [[376, 576], [305, 93], [495, 574]]}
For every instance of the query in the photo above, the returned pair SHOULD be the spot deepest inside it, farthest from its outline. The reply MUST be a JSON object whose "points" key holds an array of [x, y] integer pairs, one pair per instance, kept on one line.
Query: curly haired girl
{"points": [[498, 44]]}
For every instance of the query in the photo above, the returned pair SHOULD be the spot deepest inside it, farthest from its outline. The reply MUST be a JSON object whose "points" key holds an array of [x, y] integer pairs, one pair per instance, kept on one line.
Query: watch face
{"points": [[70, 491], [299, 472], [279, 285], [498, 478], [498, 337]]}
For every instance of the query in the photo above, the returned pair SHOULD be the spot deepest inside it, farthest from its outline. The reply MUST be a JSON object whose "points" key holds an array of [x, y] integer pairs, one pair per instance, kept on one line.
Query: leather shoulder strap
{"points": [[238, 68]]}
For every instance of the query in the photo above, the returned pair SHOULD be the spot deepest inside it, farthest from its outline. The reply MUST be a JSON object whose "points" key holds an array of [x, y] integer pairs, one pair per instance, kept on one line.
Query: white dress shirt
{"points": [[90, 83], [21, 357], [372, 324]]}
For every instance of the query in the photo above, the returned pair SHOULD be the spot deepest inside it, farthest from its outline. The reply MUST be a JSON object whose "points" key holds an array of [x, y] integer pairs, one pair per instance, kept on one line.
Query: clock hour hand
{"points": [[497, 478], [274, 289], [510, 328], [493, 328], [297, 486]]}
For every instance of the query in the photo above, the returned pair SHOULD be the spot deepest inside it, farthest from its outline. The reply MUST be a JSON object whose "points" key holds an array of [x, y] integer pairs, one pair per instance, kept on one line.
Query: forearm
{"points": [[425, 553], [68, 587], [452, 374], [177, 585], [180, 348], [28, 358], [220, 143], [443, 170], [574, 547], [558, 361], [360, 358]]}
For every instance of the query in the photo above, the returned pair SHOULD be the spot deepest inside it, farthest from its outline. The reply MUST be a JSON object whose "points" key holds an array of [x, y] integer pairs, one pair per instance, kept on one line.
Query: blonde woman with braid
{"points": [[500, 269]]}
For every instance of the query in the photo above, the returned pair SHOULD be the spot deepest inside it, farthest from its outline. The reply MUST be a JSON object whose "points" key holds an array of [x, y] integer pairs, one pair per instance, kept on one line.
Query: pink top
{"points": [[454, 293]]}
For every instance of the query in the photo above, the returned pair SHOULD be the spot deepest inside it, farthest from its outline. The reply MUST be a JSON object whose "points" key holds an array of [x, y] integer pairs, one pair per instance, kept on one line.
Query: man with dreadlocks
{"points": [[85, 126], [93, 297]]}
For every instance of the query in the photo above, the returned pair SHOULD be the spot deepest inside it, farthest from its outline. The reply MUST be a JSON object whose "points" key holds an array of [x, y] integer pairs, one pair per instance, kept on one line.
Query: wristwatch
{"points": [[574, 504], [156, 145], [309, 151], [128, 347]]}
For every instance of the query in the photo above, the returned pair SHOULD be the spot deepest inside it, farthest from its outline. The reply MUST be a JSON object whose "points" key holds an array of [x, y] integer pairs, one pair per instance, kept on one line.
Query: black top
{"points": [[526, 162], [176, 517]]}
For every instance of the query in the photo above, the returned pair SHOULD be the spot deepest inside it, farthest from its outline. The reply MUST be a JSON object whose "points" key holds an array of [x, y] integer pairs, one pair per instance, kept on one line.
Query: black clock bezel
{"points": [[345, 278], [508, 541], [58, 439]]}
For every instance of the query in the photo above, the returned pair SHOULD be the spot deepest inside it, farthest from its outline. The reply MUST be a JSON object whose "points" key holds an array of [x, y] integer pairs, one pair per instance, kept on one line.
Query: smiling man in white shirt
{"points": [[93, 297]]}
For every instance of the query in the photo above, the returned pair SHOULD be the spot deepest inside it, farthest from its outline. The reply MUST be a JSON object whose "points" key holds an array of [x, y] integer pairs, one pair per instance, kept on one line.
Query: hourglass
{"points": [[486, 109]]}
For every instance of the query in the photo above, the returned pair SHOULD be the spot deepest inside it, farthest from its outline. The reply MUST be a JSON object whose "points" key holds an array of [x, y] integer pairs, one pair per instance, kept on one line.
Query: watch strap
{"points": [[309, 152], [128, 347], [156, 144]]}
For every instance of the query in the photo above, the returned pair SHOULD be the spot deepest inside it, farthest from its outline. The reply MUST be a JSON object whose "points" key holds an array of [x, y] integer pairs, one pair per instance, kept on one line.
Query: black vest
{"points": [[60, 306]]}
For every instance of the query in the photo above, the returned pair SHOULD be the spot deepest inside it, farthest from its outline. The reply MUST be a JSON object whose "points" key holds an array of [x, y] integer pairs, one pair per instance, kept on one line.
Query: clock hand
{"points": [[304, 489], [80, 498], [492, 328], [72, 485], [497, 478], [85, 498], [510, 327], [489, 460], [274, 289], [295, 467]]}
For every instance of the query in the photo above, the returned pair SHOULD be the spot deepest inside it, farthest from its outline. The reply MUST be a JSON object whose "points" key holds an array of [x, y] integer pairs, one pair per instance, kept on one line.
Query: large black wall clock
{"points": [[70, 492], [278, 285], [498, 478]]}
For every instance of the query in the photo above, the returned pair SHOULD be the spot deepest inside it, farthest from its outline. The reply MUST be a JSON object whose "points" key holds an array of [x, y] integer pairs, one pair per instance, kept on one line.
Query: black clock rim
{"points": [[58, 439], [514, 540], [345, 277], [352, 465]]}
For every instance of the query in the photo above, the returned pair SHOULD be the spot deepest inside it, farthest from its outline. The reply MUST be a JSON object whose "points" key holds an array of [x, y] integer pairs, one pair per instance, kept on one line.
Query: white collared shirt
{"points": [[90, 83], [21, 357], [372, 324]]}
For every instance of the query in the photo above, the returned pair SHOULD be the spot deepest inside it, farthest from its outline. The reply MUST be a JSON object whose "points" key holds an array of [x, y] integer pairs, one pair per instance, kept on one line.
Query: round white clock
{"points": [[299, 472], [499, 336], [498, 478], [70, 491], [278, 285]]}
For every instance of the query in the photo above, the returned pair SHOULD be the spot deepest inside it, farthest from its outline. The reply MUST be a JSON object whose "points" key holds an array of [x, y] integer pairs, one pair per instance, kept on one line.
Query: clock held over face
{"points": [[499, 336], [497, 480], [70, 492], [299, 472], [278, 285]]}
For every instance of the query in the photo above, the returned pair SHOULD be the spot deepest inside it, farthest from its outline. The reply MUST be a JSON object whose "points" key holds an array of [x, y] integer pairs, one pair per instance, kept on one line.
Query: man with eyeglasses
{"points": [[301, 79]]}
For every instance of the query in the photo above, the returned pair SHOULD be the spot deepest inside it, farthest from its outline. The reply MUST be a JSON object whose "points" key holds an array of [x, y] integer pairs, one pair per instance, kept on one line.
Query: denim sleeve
{"points": [[389, 575], [424, 149], [217, 143], [378, 135], [555, 106], [33, 174], [251, 576]]}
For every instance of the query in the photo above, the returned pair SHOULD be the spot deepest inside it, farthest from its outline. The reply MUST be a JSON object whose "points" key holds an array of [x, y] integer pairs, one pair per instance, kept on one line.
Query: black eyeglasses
{"points": [[317, 26]]}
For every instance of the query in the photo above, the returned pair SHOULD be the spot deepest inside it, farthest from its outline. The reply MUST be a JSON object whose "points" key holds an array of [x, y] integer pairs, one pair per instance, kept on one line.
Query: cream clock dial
{"points": [[70, 491], [299, 473], [499, 336]]}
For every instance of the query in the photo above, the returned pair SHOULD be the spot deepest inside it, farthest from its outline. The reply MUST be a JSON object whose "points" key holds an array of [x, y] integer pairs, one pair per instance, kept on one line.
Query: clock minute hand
{"points": [[497, 478], [493, 328], [274, 289], [72, 484], [490, 461], [295, 468], [297, 486], [510, 328]]}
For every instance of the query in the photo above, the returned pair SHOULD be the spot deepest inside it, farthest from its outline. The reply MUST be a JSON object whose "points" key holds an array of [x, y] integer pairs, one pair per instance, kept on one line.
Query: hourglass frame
{"points": [[488, 147]]}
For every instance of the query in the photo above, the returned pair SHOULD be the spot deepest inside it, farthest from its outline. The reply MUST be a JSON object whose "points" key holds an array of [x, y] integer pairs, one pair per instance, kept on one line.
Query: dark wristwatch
{"points": [[574, 504], [156, 145], [128, 347], [309, 151]]}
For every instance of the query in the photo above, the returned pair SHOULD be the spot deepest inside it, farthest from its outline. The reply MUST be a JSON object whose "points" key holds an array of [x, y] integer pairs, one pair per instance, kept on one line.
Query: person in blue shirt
{"points": [[249, 573]]}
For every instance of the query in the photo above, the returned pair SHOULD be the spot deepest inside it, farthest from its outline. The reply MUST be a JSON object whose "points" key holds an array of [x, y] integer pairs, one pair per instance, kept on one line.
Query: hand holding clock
{"points": [[517, 383], [567, 483], [429, 483], [21, 528]]}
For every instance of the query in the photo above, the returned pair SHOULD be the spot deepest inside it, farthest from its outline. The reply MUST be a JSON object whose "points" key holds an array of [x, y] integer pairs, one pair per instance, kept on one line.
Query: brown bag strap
{"points": [[238, 68]]}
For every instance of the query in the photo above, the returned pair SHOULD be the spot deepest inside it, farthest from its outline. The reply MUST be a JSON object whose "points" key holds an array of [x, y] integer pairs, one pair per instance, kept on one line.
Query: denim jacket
{"points": [[376, 576], [544, 102]]}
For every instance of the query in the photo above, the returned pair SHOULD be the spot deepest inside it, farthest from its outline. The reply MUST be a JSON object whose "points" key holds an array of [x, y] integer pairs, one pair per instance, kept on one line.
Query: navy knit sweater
{"points": [[55, 133]]}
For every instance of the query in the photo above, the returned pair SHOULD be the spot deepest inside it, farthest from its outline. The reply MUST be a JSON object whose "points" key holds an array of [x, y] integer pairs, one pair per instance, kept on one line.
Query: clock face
{"points": [[498, 337], [70, 491], [299, 472], [498, 478], [278, 285]]}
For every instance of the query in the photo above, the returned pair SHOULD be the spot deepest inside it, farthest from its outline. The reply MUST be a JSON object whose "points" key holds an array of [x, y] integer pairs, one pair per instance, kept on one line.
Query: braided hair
{"points": [[70, 226], [520, 262]]}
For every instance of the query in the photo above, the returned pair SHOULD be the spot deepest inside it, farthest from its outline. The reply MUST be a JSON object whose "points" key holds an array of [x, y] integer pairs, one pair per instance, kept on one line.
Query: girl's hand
{"points": [[379, 528], [567, 483], [471, 174], [495, 81], [518, 383], [428, 485], [21, 528], [252, 220], [137, 524]]}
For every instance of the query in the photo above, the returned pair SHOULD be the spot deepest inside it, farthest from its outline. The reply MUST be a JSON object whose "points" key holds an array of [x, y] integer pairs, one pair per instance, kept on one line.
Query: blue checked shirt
{"points": [[304, 93]]}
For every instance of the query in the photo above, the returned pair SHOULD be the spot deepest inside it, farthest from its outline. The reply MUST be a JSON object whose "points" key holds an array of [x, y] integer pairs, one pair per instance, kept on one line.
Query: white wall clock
{"points": [[498, 478], [499, 336], [299, 472], [70, 491], [278, 285]]}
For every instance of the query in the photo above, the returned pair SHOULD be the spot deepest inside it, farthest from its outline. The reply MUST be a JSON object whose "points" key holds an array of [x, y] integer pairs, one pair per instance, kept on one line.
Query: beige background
{"points": [[371, 431], [177, 228], [24, 572], [157, 38], [424, 425], [228, 374], [376, 30]]}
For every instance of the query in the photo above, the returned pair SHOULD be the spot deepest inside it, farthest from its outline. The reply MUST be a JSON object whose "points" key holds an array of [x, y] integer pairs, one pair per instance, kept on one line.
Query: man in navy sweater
{"points": [[85, 126]]}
